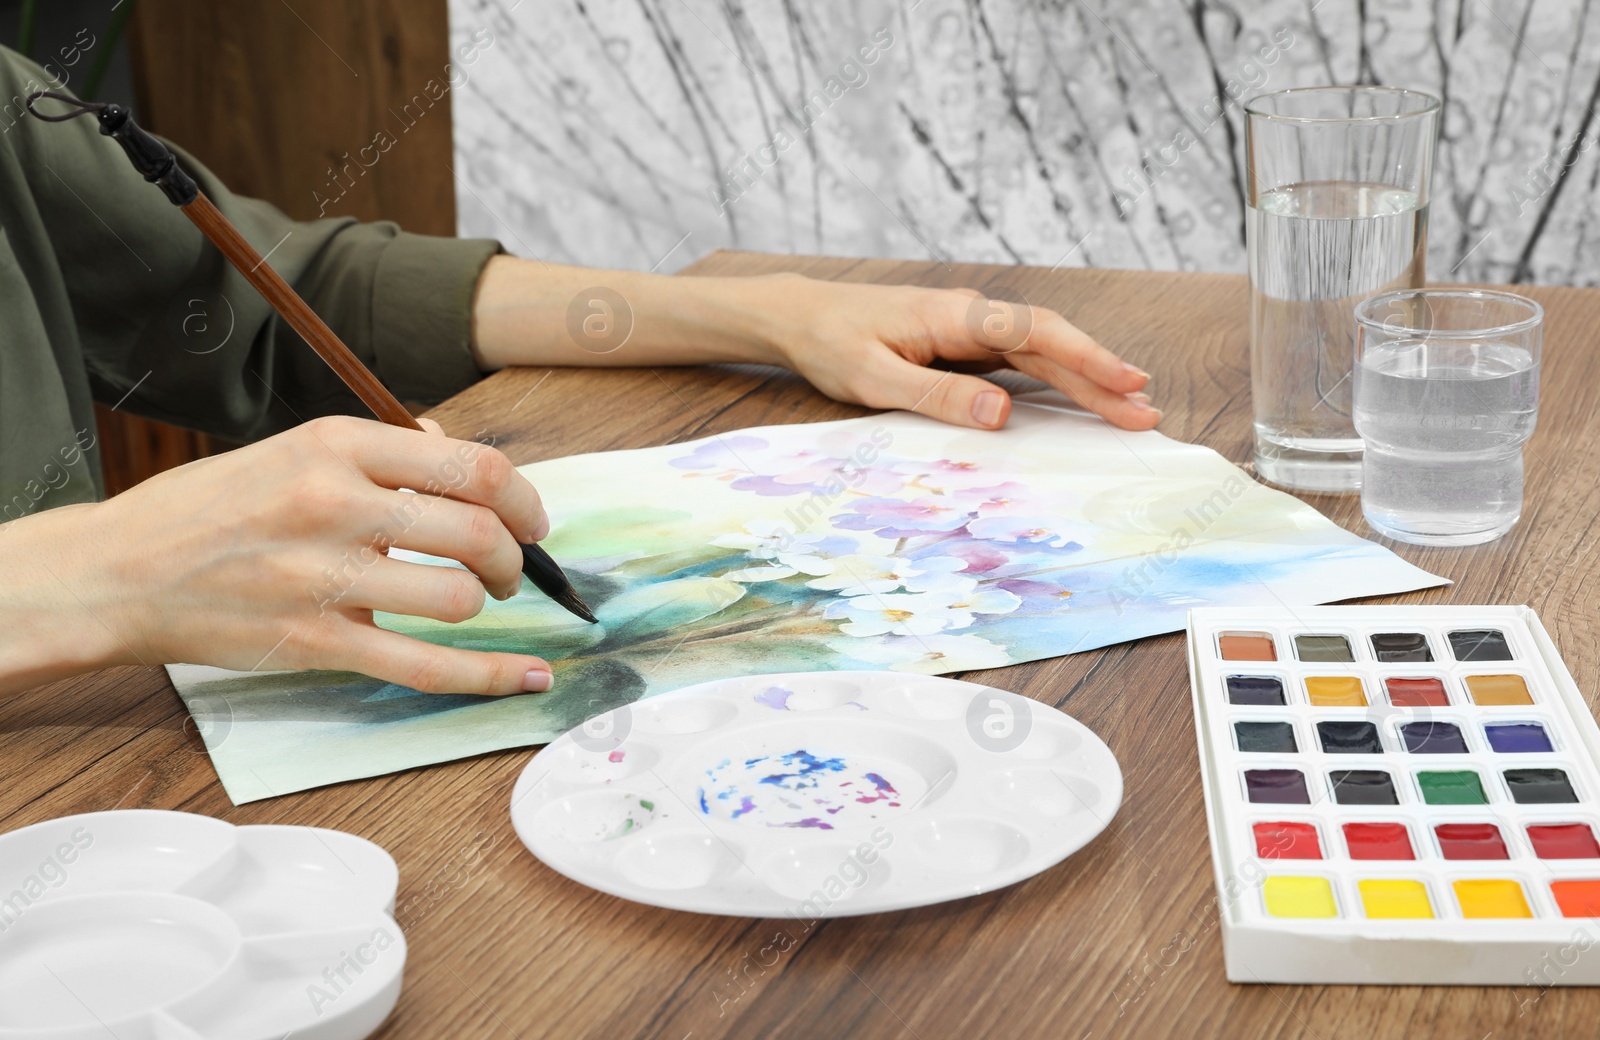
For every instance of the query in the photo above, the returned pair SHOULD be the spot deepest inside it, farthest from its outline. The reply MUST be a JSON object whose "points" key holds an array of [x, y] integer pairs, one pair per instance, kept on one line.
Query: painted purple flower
{"points": [[846, 474], [809, 473], [1038, 597], [893, 518], [752, 464], [721, 451], [761, 484], [999, 499], [1037, 530], [946, 474], [980, 557]]}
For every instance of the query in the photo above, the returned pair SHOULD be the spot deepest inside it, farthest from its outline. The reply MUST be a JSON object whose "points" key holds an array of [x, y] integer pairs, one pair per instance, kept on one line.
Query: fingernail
{"points": [[986, 407], [536, 681], [1136, 370], [1139, 397]]}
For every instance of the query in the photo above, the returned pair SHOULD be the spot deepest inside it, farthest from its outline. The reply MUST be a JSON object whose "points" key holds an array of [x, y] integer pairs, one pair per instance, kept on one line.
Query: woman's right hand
{"points": [[273, 557]]}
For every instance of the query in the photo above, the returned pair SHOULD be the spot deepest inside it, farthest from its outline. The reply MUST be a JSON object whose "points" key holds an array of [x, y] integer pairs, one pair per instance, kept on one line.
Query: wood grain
{"points": [[279, 98], [1119, 941]]}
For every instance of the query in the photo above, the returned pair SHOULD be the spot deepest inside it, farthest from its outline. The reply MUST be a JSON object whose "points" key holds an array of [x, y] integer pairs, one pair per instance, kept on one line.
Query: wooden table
{"points": [[1118, 941]]}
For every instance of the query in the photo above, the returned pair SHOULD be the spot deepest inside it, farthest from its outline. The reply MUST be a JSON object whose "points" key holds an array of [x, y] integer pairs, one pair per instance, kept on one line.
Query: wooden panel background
{"points": [[275, 98]]}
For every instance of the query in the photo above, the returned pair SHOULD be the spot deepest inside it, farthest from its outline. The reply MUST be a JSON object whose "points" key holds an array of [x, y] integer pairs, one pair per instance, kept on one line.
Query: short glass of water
{"points": [[1446, 392], [1338, 210]]}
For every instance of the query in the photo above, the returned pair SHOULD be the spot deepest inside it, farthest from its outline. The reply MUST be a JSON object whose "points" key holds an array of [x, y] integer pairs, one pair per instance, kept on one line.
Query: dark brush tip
{"points": [[569, 598]]}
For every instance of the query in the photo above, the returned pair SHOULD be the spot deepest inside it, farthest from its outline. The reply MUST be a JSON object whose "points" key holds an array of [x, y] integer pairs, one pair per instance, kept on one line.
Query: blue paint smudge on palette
{"points": [[788, 789], [808, 764]]}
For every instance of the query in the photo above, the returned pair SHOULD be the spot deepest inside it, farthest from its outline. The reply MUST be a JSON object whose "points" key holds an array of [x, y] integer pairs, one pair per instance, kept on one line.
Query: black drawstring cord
{"points": [[80, 107], [151, 158]]}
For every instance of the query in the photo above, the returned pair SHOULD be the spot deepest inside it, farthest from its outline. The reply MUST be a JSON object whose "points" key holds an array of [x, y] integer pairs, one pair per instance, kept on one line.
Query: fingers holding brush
{"points": [[446, 594], [274, 556], [471, 534], [467, 471]]}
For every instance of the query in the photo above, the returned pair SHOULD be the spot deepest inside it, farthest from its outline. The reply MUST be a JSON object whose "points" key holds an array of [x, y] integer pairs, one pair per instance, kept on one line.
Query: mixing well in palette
{"points": [[797, 789], [1397, 768]]}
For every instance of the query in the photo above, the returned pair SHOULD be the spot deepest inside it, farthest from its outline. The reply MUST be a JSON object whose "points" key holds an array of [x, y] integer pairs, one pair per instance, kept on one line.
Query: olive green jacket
{"points": [[108, 293]]}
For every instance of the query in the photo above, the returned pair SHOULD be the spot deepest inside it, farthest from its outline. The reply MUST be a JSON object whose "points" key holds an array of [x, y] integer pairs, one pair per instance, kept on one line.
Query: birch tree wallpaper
{"points": [[1050, 132]]}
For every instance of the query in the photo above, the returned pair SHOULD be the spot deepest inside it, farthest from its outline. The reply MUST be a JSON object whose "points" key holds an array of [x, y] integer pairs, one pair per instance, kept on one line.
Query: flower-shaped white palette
{"points": [[816, 794], [144, 924]]}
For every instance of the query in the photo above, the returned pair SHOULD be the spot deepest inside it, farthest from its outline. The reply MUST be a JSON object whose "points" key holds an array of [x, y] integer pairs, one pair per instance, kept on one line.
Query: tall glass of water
{"points": [[1446, 392], [1337, 210]]}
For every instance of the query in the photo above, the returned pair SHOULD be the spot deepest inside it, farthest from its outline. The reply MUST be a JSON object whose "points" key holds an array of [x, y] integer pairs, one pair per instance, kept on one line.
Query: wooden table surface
{"points": [[1118, 941]]}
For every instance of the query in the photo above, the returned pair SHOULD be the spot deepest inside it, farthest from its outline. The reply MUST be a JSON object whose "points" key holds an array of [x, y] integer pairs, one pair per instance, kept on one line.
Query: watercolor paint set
{"points": [[1397, 795]]}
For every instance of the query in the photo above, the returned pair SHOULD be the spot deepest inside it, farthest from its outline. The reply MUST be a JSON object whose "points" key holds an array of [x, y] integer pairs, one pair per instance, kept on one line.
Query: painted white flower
{"points": [[926, 655], [765, 539], [941, 574], [870, 575], [789, 552], [917, 613], [864, 575]]}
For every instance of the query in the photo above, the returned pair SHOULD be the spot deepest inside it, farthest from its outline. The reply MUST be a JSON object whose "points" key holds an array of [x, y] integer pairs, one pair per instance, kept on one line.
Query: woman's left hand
{"points": [[909, 347], [883, 346]]}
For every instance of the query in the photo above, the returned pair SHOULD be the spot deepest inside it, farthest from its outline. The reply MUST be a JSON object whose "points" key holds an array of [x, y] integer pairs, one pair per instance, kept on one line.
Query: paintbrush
{"points": [[158, 166]]}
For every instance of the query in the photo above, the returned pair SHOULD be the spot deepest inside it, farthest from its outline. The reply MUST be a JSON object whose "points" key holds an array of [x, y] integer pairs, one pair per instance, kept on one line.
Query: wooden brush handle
{"points": [[297, 313]]}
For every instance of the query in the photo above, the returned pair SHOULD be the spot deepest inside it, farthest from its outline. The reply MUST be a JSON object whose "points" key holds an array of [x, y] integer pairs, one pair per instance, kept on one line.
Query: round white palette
{"points": [[144, 923], [816, 794]]}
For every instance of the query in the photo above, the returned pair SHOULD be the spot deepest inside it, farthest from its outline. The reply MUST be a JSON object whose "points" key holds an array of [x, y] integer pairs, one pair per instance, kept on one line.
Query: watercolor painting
{"points": [[889, 542]]}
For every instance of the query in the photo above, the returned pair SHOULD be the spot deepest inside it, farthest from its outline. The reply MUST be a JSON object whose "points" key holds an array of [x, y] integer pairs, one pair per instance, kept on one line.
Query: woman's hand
{"points": [[273, 557], [873, 345], [867, 344]]}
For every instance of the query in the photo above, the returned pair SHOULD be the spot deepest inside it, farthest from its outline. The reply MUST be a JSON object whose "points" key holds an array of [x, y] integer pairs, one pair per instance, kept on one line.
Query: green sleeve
{"points": [[164, 325]]}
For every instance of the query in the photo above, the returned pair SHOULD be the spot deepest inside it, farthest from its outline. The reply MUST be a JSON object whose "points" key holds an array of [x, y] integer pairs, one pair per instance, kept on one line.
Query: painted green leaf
{"points": [[589, 688], [657, 609], [527, 624], [755, 653], [626, 532]]}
